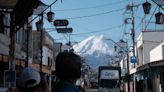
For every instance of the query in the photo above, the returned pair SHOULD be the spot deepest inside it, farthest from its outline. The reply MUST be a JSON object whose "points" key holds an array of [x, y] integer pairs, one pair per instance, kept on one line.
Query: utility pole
{"points": [[12, 43], [12, 86], [41, 41], [128, 80], [27, 45], [133, 44], [133, 32]]}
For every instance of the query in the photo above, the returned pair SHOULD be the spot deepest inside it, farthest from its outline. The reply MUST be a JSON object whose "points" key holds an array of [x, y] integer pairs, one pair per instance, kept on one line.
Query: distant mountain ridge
{"points": [[96, 51]]}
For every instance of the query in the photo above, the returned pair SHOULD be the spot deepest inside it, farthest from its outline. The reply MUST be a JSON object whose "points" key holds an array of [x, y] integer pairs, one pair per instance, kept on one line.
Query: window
{"points": [[49, 61], [1, 23]]}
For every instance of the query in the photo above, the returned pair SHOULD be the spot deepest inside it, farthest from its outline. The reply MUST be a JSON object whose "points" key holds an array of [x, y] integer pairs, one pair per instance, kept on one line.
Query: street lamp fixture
{"points": [[159, 18], [39, 25], [146, 7], [50, 16]]}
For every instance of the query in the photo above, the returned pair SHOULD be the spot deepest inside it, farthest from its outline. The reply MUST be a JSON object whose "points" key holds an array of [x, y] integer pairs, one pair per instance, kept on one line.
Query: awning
{"points": [[7, 3], [151, 65]]}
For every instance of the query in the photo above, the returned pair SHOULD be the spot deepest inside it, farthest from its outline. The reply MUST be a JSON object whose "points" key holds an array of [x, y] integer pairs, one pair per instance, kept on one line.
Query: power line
{"points": [[106, 29], [92, 15], [150, 19], [98, 6]]}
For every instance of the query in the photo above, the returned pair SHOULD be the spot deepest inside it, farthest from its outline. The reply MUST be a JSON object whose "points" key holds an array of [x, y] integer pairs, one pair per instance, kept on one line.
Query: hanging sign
{"points": [[61, 22], [64, 30]]}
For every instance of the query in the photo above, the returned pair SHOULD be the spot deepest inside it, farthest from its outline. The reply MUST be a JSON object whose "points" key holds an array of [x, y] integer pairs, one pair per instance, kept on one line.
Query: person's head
{"points": [[29, 79], [68, 66]]}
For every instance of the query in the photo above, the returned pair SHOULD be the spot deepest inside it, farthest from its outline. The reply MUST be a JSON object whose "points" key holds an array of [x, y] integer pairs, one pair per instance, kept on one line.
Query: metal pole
{"points": [[50, 79], [133, 43], [128, 81], [27, 46], [44, 10], [12, 43], [41, 46], [12, 47], [133, 32]]}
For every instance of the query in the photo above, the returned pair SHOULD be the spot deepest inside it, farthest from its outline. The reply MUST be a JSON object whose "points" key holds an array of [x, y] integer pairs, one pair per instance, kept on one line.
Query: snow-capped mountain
{"points": [[96, 51]]}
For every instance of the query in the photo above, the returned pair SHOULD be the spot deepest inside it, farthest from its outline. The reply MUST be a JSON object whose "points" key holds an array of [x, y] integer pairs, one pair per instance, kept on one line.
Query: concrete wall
{"points": [[157, 53], [4, 44], [47, 53], [47, 47], [148, 40]]}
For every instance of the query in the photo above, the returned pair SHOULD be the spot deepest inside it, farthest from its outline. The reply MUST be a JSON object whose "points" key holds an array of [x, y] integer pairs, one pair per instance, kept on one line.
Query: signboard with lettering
{"points": [[109, 74], [61, 22], [64, 30], [109, 79]]}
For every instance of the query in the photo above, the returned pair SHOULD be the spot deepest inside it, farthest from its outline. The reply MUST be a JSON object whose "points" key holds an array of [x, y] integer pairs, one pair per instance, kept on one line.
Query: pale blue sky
{"points": [[97, 17]]}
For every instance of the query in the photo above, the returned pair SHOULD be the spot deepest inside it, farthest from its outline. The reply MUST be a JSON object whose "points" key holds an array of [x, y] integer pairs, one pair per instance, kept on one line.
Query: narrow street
{"points": [[92, 90], [101, 45]]}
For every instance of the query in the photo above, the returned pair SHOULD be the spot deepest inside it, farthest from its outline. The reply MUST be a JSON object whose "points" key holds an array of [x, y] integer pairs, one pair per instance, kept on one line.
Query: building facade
{"points": [[149, 74]]}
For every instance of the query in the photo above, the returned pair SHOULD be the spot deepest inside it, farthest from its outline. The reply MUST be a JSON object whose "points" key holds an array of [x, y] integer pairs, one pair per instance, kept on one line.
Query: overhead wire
{"points": [[92, 15], [150, 19], [106, 29], [95, 14], [98, 6]]}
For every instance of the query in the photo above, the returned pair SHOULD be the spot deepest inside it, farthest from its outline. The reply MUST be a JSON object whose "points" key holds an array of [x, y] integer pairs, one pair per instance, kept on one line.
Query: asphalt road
{"points": [[91, 90]]}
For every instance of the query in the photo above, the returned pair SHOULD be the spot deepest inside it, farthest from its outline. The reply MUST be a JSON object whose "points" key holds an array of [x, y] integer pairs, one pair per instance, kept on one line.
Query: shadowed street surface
{"points": [[91, 90]]}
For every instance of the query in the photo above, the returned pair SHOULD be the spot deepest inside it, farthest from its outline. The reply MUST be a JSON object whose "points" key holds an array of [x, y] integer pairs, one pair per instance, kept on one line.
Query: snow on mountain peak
{"points": [[96, 50]]}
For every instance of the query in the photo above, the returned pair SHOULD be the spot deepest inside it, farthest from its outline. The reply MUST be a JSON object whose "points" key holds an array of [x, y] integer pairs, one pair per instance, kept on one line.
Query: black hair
{"points": [[68, 66]]}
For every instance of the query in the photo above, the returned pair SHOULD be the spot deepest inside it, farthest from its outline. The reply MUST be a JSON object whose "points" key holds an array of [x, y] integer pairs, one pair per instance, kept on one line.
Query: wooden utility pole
{"points": [[12, 43], [41, 41], [133, 32]]}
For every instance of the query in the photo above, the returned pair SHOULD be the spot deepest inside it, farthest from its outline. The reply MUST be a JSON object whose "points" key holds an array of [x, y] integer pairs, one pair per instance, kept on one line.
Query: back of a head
{"points": [[29, 79], [68, 66]]}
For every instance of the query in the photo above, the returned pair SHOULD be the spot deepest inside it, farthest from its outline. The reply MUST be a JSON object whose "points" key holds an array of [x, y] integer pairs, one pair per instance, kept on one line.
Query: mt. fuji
{"points": [[96, 51]]}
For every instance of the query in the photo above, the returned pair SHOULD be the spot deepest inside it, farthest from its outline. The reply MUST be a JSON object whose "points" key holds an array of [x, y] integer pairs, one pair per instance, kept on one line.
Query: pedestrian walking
{"points": [[68, 70]]}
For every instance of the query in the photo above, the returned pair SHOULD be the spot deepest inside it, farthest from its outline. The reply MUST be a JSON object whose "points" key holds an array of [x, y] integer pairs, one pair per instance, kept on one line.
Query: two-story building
{"points": [[47, 48], [149, 73]]}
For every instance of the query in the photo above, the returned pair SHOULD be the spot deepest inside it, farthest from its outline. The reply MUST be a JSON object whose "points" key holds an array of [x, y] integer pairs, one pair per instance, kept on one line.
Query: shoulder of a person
{"points": [[65, 87]]}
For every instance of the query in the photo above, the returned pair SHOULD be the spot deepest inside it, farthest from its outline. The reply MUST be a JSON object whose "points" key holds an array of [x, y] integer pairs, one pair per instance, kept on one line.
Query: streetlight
{"points": [[50, 16], [119, 47], [146, 6], [159, 18], [39, 24], [122, 44]]}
